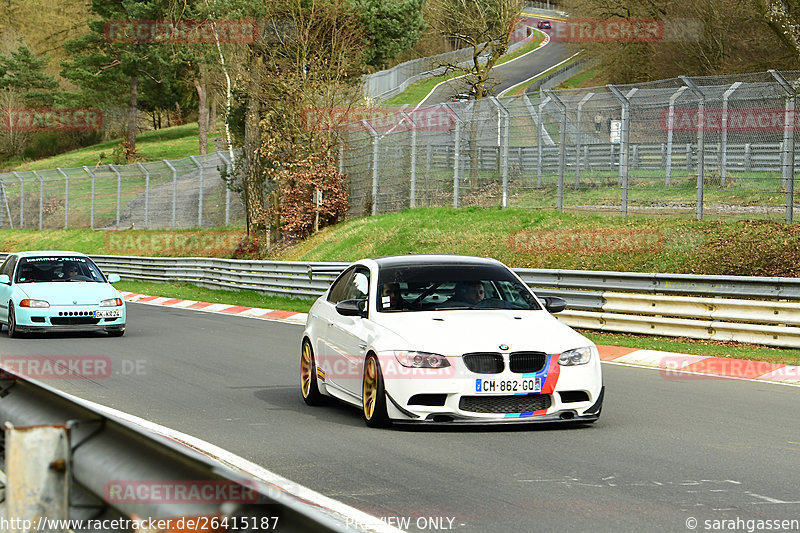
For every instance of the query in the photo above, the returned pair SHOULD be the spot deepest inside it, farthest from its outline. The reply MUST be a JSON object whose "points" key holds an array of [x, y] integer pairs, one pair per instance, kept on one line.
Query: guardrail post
{"points": [[200, 198], [174, 192], [66, 197], [579, 138], [539, 140], [624, 148], [562, 147], [701, 126], [41, 197], [21, 200], [119, 189], [670, 128], [37, 462], [146, 194], [787, 163], [503, 145], [229, 172], [723, 146], [91, 201]]}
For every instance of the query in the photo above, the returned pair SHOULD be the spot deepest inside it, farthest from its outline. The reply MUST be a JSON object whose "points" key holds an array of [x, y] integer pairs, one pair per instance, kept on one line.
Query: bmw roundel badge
{"points": [[503, 346]]}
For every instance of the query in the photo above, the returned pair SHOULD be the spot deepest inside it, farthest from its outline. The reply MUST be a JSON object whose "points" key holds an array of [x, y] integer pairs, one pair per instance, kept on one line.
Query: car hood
{"points": [[464, 331], [69, 292]]}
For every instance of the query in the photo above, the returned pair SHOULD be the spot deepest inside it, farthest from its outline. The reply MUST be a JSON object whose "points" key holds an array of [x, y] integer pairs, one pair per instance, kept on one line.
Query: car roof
{"points": [[433, 259], [36, 253]]}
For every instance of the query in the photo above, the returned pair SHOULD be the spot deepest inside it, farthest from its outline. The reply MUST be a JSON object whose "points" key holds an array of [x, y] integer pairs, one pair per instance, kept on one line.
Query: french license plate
{"points": [[108, 313], [508, 386]]}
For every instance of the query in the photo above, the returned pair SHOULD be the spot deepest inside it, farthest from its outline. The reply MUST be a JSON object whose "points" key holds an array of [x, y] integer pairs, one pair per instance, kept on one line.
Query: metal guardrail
{"points": [[62, 455], [688, 305]]}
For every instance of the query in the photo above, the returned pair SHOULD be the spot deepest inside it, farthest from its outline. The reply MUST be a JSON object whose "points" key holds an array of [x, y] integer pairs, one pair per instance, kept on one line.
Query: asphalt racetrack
{"points": [[667, 454]]}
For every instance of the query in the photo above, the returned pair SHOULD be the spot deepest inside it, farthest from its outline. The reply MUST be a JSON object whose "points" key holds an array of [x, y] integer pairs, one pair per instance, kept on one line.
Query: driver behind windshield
{"points": [[471, 292], [71, 271]]}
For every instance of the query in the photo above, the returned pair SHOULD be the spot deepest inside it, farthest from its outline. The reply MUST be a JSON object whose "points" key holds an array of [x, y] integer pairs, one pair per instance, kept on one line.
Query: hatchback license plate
{"points": [[108, 313]]}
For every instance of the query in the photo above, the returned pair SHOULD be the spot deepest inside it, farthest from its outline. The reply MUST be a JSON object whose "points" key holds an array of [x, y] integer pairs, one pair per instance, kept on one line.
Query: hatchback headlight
{"points": [[421, 359], [34, 303], [578, 356], [111, 302]]}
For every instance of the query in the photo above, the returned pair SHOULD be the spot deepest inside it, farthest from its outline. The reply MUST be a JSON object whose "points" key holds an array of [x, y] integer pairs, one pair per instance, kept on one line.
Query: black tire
{"points": [[308, 377], [373, 394], [12, 322], [116, 332]]}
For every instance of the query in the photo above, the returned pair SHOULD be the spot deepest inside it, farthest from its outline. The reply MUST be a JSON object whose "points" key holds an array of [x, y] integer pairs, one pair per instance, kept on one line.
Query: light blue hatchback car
{"points": [[58, 291]]}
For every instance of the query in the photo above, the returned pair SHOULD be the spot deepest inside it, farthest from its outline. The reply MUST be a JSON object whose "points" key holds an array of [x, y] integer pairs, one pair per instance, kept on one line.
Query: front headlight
{"points": [[111, 302], [578, 356], [34, 303], [421, 359]]}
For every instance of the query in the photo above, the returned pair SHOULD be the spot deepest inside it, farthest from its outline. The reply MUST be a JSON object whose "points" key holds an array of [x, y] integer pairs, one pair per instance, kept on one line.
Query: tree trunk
{"points": [[130, 149], [202, 106], [253, 187], [212, 113]]}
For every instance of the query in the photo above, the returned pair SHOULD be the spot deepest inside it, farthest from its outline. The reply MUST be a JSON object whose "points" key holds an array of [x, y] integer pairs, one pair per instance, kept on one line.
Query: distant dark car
{"points": [[544, 25], [462, 97]]}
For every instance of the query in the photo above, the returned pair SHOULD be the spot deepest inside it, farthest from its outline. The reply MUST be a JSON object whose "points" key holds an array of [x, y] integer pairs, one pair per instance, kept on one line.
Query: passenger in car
{"points": [[390, 296], [471, 292]]}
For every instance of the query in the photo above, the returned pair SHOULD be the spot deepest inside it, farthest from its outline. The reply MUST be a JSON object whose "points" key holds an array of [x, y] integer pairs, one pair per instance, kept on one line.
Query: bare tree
{"points": [[783, 17], [485, 26]]}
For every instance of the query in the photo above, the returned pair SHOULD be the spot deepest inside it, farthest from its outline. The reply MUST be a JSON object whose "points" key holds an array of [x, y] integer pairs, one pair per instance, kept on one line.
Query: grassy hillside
{"points": [[518, 237]]}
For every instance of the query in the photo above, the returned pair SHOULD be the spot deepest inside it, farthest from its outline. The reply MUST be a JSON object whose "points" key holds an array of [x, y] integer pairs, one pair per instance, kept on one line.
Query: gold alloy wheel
{"points": [[370, 388], [306, 367]]}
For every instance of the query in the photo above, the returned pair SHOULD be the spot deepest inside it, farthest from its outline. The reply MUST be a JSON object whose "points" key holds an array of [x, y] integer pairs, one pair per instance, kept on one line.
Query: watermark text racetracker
{"points": [[50, 119], [181, 31], [69, 366], [211, 523]]}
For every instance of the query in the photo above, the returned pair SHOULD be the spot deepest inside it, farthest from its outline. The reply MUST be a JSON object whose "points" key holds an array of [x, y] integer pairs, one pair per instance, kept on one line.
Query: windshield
{"points": [[56, 269], [451, 287]]}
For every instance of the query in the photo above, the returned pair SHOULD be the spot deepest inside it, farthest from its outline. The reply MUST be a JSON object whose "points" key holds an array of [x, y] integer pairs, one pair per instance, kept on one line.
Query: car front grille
{"points": [[73, 320], [484, 362], [524, 362], [505, 404]]}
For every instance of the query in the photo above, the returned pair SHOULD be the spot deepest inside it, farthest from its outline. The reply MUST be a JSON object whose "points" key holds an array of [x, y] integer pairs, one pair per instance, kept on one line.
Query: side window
{"points": [[8, 266], [358, 285], [339, 287]]}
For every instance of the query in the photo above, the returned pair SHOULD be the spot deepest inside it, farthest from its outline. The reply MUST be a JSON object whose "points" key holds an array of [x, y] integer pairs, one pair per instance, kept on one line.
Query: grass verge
{"points": [[187, 291], [167, 143]]}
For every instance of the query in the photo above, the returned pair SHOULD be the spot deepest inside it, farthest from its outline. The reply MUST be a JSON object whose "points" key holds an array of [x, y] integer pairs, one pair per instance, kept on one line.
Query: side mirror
{"points": [[352, 308], [554, 304], [113, 278], [5, 280]]}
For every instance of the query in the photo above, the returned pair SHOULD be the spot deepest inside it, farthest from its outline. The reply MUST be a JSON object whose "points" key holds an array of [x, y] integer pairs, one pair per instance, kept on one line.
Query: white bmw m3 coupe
{"points": [[441, 339]]}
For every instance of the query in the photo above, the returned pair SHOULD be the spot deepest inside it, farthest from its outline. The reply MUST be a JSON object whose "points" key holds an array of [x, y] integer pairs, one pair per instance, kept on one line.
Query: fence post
{"points": [[66, 197], [578, 138], [41, 197], [503, 147], [623, 141], [91, 200], [787, 163], [174, 193], [562, 142], [723, 146], [21, 200], [147, 193], [119, 189], [375, 157], [701, 105], [539, 138], [412, 193], [456, 161], [4, 197], [229, 172], [670, 128], [200, 198]]}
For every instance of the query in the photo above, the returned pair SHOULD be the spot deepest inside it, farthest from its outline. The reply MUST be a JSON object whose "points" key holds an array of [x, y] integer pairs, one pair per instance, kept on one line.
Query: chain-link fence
{"points": [[702, 146], [185, 193]]}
